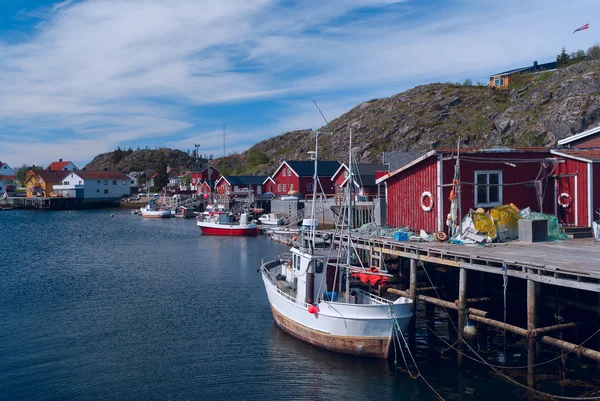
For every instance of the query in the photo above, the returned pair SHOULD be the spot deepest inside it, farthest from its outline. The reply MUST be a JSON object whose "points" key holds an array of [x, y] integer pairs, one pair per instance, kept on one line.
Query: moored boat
{"points": [[151, 210], [312, 298], [270, 219], [220, 225]]}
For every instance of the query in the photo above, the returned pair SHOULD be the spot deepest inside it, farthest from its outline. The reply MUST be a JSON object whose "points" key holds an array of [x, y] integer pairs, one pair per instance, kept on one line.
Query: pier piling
{"points": [[531, 344], [462, 305]]}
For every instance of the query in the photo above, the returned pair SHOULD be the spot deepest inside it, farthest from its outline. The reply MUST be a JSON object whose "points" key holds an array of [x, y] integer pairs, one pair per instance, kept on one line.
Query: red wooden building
{"points": [[564, 182], [364, 179], [208, 175], [418, 192], [298, 176]]}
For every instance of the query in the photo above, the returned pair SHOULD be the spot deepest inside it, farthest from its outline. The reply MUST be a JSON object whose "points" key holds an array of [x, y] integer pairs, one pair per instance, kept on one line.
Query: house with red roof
{"points": [[40, 183], [94, 185], [7, 177], [62, 165]]}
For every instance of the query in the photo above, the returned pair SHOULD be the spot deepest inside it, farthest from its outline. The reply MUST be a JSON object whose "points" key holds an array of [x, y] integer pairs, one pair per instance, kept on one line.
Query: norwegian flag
{"points": [[583, 28]]}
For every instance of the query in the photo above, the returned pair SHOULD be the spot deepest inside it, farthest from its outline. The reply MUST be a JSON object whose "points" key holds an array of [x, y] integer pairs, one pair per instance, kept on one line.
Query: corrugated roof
{"points": [[399, 159], [589, 155], [51, 175], [306, 168], [540, 67], [579, 136], [100, 175], [245, 179]]}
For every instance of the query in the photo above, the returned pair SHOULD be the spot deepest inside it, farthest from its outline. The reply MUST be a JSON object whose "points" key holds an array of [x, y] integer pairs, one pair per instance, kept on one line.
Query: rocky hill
{"points": [[538, 110], [144, 160]]}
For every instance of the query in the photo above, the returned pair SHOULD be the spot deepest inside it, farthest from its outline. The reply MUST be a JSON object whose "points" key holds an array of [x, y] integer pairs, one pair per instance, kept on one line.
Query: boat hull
{"points": [[156, 215], [362, 330], [229, 230], [359, 346]]}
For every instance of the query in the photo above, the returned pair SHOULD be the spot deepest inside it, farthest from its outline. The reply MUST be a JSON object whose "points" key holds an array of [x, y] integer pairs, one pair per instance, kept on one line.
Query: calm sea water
{"points": [[95, 307]]}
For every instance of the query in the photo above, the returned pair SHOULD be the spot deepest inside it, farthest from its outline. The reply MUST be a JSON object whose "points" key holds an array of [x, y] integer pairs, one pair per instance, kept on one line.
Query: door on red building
{"points": [[566, 192]]}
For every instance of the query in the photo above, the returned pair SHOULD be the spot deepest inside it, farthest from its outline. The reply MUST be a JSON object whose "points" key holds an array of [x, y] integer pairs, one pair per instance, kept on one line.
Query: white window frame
{"points": [[278, 187], [284, 187], [488, 172]]}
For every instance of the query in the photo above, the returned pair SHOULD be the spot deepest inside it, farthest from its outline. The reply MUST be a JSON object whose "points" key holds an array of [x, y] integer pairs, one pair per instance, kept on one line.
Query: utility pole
{"points": [[196, 146], [224, 154]]}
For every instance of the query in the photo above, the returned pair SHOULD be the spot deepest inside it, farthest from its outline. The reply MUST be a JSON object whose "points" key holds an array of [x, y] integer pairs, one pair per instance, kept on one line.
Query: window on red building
{"points": [[488, 188]]}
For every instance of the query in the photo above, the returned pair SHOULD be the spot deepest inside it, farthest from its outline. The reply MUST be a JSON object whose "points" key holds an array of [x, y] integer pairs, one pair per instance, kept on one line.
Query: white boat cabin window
{"points": [[488, 188], [297, 262]]}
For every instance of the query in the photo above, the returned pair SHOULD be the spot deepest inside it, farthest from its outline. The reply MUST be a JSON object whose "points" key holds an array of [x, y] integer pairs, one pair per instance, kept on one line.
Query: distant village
{"points": [[416, 186]]}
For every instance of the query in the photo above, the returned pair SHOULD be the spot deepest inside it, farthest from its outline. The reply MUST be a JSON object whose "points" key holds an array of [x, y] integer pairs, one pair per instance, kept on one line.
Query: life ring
{"points": [[564, 200], [426, 195]]}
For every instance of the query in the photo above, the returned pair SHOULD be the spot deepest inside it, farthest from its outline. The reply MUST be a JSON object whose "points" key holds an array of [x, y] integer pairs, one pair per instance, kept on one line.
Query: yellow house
{"points": [[502, 80], [42, 182]]}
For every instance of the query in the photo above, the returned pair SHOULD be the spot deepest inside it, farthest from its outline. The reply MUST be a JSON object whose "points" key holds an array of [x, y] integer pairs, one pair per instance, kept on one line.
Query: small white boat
{"points": [[270, 219], [212, 210], [151, 210]]}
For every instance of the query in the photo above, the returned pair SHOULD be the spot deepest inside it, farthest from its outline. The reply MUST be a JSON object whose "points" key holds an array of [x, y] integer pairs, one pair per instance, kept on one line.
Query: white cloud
{"points": [[97, 73]]}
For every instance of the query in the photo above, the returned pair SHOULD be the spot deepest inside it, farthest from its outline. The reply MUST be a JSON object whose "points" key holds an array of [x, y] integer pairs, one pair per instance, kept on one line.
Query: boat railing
{"points": [[280, 259], [375, 298], [268, 264]]}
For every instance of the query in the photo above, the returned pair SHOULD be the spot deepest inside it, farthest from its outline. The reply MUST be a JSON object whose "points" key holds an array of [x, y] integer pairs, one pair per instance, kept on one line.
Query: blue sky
{"points": [[82, 77]]}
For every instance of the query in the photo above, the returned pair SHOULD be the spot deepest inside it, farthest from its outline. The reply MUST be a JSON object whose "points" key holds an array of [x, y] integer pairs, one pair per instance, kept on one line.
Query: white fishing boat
{"points": [[152, 210], [270, 219], [220, 224], [312, 298]]}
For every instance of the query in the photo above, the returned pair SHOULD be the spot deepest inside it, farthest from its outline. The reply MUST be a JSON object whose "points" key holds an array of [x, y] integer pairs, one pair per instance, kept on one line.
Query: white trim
{"points": [[440, 190], [581, 135], [590, 189], [343, 165], [269, 178], [221, 178], [406, 166], [581, 159], [555, 196], [282, 164], [500, 188], [576, 203]]}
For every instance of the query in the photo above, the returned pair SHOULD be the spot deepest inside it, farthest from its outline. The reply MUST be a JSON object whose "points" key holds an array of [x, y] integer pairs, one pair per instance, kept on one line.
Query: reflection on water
{"points": [[100, 307]]}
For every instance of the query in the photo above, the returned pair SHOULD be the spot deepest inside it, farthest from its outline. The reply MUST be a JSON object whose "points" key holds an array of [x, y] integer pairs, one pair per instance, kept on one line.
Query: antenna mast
{"points": [[224, 154]]}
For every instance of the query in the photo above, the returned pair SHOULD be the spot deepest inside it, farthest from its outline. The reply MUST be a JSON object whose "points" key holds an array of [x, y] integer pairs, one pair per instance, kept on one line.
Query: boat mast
{"points": [[350, 187], [314, 200]]}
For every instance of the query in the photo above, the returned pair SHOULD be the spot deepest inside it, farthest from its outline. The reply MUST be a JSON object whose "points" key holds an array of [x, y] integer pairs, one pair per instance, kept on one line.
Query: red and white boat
{"points": [[220, 225]]}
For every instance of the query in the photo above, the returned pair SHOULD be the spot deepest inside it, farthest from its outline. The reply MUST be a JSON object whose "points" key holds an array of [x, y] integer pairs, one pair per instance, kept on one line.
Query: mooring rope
{"points": [[497, 371], [419, 374]]}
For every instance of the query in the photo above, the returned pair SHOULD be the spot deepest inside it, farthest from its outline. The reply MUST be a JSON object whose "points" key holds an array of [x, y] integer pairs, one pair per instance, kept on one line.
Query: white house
{"points": [[7, 177], [95, 185]]}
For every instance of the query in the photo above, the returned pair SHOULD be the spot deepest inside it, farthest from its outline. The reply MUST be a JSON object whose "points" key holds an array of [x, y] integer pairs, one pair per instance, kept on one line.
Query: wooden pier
{"points": [[544, 277]]}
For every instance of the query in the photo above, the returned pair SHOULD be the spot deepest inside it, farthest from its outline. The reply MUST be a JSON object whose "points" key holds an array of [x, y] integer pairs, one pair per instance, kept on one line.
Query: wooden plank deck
{"points": [[574, 263]]}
